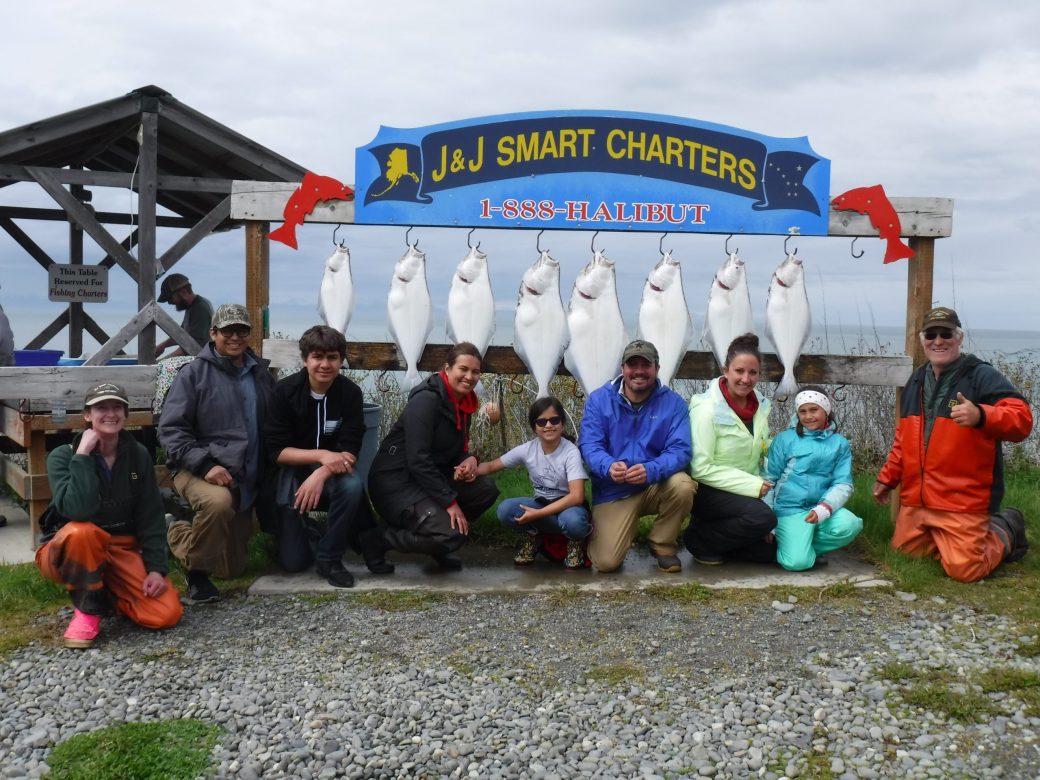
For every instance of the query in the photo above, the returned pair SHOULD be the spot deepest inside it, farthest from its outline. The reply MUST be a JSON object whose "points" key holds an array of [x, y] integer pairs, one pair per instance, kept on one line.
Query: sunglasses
{"points": [[541, 422], [933, 333], [234, 331]]}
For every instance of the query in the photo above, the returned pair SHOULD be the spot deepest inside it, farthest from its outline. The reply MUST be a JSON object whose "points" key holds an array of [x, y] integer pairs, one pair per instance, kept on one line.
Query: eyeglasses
{"points": [[933, 333], [541, 422], [234, 331]]}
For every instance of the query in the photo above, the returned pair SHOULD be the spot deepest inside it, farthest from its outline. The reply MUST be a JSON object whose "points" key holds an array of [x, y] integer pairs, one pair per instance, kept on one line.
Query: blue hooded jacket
{"points": [[808, 470], [657, 434]]}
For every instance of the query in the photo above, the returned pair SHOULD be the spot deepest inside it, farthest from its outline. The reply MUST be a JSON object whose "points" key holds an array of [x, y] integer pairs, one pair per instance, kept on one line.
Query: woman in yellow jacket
{"points": [[729, 423]]}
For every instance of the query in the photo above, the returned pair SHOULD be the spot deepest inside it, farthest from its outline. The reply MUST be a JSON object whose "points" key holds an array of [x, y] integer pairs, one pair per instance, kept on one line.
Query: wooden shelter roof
{"points": [[104, 137]]}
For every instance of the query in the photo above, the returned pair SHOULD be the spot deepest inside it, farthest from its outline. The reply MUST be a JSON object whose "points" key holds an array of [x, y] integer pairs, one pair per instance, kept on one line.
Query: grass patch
{"points": [[964, 705], [170, 749], [1030, 649], [400, 600], [1020, 683], [317, 599], [24, 595], [615, 674], [564, 595], [687, 593], [896, 670]]}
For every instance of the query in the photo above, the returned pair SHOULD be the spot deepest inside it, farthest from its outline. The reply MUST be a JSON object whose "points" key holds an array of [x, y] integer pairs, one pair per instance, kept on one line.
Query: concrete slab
{"points": [[492, 571], [16, 535]]}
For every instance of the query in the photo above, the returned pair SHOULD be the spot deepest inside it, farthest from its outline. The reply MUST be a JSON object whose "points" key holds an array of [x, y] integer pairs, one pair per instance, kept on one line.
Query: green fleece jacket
{"points": [[128, 505], [726, 455]]}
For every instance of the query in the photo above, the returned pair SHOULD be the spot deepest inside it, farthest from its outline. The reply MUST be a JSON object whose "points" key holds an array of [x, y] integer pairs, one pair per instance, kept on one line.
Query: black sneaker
{"points": [[668, 563], [200, 589], [449, 562], [1015, 523], [706, 558], [373, 550], [335, 572]]}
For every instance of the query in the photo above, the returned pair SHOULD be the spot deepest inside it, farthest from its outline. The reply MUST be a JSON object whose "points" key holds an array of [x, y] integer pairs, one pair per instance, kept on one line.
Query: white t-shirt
{"points": [[550, 474]]}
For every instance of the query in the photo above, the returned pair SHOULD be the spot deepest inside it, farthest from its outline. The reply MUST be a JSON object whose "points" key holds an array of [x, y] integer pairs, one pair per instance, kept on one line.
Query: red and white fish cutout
{"points": [[312, 190], [873, 202]]}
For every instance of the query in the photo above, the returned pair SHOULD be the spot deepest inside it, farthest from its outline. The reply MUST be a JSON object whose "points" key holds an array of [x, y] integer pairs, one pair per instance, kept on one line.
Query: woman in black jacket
{"points": [[423, 481]]}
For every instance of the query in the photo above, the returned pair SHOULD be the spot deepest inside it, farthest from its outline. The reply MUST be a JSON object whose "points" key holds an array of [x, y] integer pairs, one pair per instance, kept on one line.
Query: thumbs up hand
{"points": [[965, 413]]}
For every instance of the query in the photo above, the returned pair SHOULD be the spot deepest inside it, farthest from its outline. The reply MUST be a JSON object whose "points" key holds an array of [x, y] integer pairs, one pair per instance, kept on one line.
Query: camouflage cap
{"points": [[228, 314], [170, 285]]}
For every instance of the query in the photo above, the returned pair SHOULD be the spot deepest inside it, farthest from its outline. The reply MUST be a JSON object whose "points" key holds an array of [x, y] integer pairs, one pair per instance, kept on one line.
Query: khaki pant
{"points": [[614, 523], [964, 542], [215, 541], [86, 559]]}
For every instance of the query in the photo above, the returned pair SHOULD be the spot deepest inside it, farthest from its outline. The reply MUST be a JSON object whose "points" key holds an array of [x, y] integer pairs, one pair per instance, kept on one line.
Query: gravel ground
{"points": [[553, 686]]}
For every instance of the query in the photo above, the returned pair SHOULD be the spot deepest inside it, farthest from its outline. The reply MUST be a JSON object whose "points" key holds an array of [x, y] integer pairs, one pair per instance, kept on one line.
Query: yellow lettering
{"points": [[616, 154], [747, 174], [440, 173], [548, 146], [634, 144], [709, 154], [477, 164], [527, 147], [568, 143], [506, 155], [727, 166], [655, 153], [693, 147], [586, 133], [674, 147]]}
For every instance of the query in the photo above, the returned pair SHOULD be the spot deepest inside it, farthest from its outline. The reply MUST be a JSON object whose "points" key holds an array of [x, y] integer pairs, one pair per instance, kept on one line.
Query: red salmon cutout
{"points": [[873, 202], [312, 190]]}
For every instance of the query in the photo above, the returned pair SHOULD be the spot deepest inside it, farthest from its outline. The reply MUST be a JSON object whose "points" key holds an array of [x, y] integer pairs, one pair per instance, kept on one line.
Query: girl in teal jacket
{"points": [[810, 467]]}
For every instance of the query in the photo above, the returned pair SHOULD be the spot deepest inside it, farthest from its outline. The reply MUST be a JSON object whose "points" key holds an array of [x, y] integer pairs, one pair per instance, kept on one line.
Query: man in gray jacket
{"points": [[210, 427]]}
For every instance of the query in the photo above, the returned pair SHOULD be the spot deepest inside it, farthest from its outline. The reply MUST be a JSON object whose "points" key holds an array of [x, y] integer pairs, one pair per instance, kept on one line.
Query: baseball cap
{"points": [[941, 316], [228, 314], [640, 348], [170, 285], [106, 391]]}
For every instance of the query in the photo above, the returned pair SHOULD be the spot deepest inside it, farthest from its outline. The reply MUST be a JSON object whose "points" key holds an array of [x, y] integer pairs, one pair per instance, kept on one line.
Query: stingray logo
{"points": [[398, 180]]}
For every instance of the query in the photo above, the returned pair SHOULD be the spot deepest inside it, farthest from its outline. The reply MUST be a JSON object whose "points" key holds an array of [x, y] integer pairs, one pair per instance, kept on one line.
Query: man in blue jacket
{"points": [[635, 439]]}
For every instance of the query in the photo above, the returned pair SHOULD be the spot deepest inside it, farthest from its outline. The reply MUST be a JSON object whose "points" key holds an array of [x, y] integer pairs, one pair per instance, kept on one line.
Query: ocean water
{"points": [[291, 321]]}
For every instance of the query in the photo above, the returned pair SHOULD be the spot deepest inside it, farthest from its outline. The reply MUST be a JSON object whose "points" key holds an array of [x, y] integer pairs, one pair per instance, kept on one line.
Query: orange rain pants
{"points": [[964, 542], [82, 556]]}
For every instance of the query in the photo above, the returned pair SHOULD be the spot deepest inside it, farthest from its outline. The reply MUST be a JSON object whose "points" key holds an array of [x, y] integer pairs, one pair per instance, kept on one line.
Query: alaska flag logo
{"points": [[783, 183], [398, 181]]}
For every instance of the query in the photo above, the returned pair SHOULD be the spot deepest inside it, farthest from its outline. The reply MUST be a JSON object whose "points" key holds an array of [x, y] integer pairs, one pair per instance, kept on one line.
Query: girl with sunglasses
{"points": [[558, 476]]}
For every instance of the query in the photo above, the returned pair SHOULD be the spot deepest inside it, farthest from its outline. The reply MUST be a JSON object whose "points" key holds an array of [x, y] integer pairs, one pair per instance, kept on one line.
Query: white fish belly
{"points": [[664, 321], [597, 340], [788, 323], [411, 319], [728, 316], [336, 300], [540, 336], [471, 313]]}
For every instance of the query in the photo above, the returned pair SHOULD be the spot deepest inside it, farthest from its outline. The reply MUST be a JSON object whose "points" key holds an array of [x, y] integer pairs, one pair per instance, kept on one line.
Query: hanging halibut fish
{"points": [[336, 299], [729, 308], [471, 304], [788, 320], [540, 324], [410, 311], [595, 324], [664, 317]]}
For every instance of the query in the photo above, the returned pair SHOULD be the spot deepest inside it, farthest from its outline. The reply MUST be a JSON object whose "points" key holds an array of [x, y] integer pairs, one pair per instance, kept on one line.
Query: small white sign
{"points": [[77, 283]]}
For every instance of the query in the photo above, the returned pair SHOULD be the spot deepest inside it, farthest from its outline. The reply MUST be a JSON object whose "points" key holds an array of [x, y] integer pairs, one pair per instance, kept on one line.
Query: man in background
{"points": [[198, 312]]}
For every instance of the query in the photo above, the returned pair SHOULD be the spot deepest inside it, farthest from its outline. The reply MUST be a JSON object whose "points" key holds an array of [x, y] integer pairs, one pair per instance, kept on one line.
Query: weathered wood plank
{"points": [[50, 331], [923, 217], [69, 383], [822, 369], [106, 217], [258, 280], [264, 201], [34, 250], [202, 229], [12, 173]]}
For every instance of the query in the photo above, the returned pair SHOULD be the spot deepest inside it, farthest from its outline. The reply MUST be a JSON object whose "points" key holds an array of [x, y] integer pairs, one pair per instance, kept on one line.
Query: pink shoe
{"points": [[82, 630]]}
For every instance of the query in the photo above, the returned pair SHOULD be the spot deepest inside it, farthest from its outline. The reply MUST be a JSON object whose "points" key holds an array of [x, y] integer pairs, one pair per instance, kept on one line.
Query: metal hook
{"points": [[839, 394], [592, 243], [538, 241], [660, 244], [334, 232], [468, 235], [852, 249], [785, 246], [406, 243], [735, 251]]}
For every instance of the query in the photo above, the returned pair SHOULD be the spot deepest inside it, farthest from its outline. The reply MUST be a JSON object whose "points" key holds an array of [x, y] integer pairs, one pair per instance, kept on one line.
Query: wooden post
{"points": [[258, 275], [76, 258], [147, 190]]}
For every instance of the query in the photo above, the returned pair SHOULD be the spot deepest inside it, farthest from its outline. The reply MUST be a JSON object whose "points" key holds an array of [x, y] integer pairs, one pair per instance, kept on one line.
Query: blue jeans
{"points": [[298, 544], [573, 522]]}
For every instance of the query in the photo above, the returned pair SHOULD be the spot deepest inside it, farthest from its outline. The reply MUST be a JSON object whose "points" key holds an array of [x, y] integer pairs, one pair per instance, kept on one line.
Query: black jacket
{"points": [[417, 459], [294, 417]]}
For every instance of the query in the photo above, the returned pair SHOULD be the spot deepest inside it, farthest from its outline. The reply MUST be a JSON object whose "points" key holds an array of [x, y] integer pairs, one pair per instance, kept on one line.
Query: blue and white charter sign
{"points": [[595, 171]]}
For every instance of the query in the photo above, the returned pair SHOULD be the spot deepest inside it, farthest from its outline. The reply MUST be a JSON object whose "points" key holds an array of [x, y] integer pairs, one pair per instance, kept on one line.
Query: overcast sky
{"points": [[926, 98]]}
